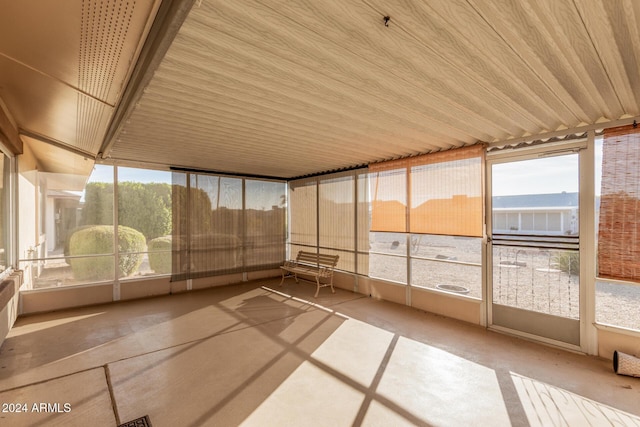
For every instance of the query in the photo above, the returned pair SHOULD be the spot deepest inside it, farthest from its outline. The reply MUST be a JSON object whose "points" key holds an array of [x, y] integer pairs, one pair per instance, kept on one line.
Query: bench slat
{"points": [[318, 259]]}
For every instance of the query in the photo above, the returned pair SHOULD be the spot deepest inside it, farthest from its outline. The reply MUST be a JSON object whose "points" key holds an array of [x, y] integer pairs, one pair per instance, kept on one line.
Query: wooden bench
{"points": [[319, 266]]}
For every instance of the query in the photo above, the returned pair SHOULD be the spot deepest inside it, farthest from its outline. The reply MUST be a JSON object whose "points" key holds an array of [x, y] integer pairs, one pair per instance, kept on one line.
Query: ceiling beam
{"points": [[56, 143], [9, 134]]}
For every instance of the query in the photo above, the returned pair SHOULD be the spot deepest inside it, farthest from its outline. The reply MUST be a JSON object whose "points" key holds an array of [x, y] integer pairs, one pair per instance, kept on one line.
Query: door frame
{"points": [[585, 148]]}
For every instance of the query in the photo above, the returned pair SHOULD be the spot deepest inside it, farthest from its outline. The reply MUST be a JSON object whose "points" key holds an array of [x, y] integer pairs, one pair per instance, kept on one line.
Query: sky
{"points": [[104, 173], [543, 175], [536, 176]]}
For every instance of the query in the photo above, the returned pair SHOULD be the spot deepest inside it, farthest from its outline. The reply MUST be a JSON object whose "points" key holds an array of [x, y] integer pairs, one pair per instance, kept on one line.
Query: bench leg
{"points": [[318, 288], [333, 291], [286, 274]]}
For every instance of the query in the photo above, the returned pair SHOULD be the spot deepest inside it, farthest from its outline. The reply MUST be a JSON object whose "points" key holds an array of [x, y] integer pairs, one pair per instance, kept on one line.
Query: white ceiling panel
{"points": [[287, 88], [58, 161]]}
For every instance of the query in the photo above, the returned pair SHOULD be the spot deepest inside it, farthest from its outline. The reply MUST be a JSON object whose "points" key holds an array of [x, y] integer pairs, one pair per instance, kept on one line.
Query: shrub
{"points": [[67, 240], [569, 262], [144, 207], [129, 242], [98, 204], [160, 254], [99, 240]]}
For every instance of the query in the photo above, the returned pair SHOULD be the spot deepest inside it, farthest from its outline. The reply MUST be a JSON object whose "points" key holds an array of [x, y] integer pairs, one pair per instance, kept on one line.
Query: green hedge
{"points": [[160, 254], [144, 207], [98, 240]]}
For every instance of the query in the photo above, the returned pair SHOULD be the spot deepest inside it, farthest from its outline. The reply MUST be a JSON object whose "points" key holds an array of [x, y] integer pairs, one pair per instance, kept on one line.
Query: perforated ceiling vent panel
{"points": [[104, 29], [108, 38]]}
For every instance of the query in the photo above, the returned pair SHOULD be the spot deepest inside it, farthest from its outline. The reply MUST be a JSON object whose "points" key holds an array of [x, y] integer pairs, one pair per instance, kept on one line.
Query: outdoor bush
{"points": [[67, 240], [160, 254], [569, 262], [200, 210], [144, 207], [98, 204], [97, 240]]}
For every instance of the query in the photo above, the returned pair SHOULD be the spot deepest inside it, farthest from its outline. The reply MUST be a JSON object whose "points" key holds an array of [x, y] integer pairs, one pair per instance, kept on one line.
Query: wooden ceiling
{"points": [[287, 88]]}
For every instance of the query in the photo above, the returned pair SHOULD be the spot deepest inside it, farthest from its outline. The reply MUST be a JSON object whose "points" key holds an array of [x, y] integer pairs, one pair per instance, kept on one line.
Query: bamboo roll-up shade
{"points": [[445, 190], [474, 151], [388, 188], [446, 193], [619, 225]]}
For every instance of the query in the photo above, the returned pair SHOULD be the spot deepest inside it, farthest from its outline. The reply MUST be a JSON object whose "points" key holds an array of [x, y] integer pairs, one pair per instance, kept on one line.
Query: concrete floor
{"points": [[256, 354]]}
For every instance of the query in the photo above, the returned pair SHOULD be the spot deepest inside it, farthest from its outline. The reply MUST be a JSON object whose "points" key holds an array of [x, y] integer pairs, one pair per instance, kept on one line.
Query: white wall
{"points": [[9, 303], [50, 231], [28, 238]]}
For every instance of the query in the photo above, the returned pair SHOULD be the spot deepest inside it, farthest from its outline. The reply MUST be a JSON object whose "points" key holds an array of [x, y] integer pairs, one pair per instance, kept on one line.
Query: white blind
{"points": [[224, 224]]}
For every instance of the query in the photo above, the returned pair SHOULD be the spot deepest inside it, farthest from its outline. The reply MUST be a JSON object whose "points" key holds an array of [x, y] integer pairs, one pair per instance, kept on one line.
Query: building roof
{"points": [[536, 200]]}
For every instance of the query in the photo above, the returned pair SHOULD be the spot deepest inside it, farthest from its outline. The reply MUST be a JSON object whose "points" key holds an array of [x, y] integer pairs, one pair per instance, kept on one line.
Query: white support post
{"points": [[588, 331], [116, 254]]}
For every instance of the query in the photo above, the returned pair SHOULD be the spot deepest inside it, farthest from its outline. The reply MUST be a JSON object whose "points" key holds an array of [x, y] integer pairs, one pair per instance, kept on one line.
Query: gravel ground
{"points": [[528, 279]]}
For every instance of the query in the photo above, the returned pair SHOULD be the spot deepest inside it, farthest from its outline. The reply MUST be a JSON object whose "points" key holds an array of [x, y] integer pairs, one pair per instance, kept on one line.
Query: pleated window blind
{"points": [[323, 217], [336, 218], [363, 223], [223, 225], [619, 224], [303, 220], [388, 181], [181, 226], [444, 191], [265, 224]]}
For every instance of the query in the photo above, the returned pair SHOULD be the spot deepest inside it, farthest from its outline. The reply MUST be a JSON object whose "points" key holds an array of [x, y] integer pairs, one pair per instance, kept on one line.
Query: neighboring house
{"points": [[536, 213], [62, 217]]}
